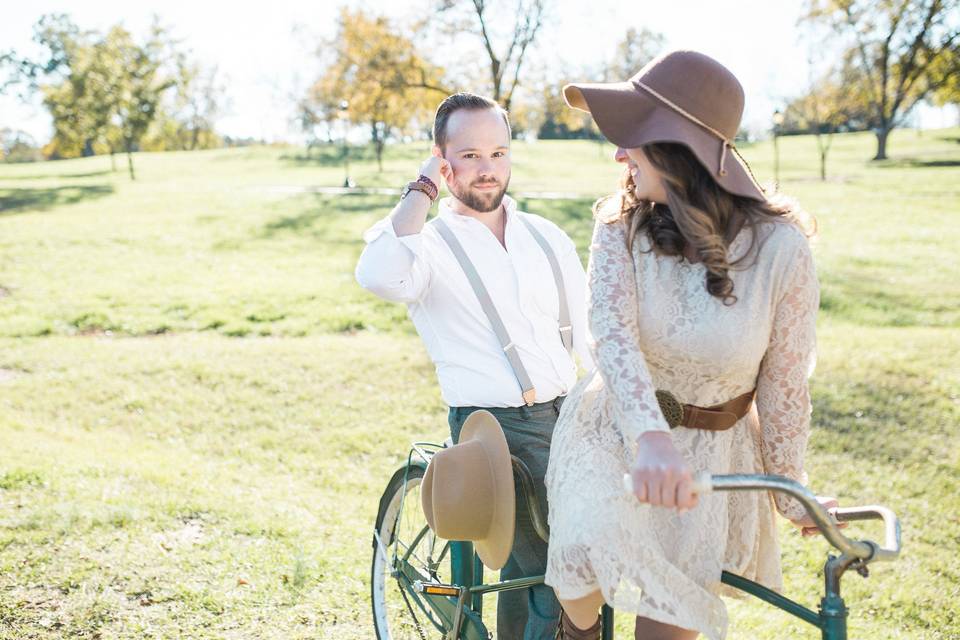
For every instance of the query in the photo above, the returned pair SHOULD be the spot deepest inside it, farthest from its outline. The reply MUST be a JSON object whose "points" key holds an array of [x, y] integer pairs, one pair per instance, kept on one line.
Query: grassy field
{"points": [[199, 407]]}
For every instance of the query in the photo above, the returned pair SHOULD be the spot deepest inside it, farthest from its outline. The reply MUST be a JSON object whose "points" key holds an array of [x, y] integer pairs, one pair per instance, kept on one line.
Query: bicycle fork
{"points": [[833, 611]]}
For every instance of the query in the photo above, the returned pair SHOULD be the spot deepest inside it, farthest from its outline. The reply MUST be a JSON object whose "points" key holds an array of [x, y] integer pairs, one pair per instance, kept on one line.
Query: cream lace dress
{"points": [[655, 326]]}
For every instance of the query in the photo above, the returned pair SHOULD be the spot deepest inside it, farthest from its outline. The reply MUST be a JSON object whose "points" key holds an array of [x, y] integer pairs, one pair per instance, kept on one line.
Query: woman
{"points": [[702, 292]]}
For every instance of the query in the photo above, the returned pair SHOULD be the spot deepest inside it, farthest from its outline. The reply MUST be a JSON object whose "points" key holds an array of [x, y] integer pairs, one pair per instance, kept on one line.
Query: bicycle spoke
{"points": [[414, 553]]}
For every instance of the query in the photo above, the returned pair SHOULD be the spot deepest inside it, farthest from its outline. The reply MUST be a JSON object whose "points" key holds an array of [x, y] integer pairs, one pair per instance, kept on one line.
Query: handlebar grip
{"points": [[891, 524]]}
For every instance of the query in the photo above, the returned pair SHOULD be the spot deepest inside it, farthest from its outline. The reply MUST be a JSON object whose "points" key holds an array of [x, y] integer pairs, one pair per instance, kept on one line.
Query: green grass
{"points": [[199, 407]]}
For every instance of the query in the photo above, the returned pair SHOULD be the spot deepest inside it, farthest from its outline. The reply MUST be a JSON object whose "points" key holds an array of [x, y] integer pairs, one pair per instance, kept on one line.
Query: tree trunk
{"points": [[823, 166], [882, 135], [130, 160], [113, 160], [378, 137]]}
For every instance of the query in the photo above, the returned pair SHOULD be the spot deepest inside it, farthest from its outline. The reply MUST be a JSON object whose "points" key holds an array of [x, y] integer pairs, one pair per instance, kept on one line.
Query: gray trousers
{"points": [[527, 614]]}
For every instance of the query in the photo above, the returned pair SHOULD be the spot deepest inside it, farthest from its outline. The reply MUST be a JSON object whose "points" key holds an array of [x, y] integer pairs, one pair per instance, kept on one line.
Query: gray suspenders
{"points": [[566, 331], [476, 282]]}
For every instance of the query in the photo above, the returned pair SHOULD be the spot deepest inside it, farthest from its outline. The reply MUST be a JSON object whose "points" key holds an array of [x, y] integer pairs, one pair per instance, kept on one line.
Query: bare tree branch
{"points": [[530, 33], [505, 68]]}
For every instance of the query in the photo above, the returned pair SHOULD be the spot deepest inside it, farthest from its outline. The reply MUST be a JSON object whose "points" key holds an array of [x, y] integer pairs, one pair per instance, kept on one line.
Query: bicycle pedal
{"points": [[436, 589]]}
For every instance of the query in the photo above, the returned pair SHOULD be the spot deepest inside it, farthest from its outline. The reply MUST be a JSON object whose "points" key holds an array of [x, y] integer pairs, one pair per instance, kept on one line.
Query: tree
{"points": [[548, 115], [895, 43], [505, 62], [187, 116], [59, 37], [197, 103], [139, 84], [317, 116], [17, 146], [105, 91], [825, 107], [68, 77], [379, 74], [633, 52], [947, 68]]}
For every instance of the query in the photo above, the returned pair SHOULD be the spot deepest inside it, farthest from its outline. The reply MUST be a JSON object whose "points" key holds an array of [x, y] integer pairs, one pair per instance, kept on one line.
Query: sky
{"points": [[266, 52]]}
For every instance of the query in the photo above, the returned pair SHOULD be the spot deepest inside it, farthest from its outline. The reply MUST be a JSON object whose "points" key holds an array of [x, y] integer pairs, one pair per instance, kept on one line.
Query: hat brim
{"points": [[494, 550], [630, 118]]}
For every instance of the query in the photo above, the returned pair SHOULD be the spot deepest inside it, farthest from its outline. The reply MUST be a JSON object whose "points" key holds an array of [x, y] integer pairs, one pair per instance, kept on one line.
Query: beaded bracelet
{"points": [[433, 190]]}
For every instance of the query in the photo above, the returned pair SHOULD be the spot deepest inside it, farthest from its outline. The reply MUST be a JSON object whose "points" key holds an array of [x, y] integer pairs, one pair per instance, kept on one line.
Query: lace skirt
{"points": [[652, 561]]}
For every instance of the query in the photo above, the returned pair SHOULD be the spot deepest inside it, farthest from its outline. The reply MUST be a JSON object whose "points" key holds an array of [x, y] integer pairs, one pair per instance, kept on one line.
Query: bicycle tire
{"points": [[399, 619]]}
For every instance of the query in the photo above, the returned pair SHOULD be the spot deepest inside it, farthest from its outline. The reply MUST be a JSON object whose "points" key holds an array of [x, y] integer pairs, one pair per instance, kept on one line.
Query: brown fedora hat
{"points": [[467, 492], [684, 97]]}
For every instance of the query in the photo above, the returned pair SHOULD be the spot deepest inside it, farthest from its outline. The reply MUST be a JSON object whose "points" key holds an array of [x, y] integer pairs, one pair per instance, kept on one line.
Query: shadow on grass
{"points": [[870, 301], [916, 163], [321, 220], [332, 155], [328, 155], [22, 200], [321, 217], [57, 176]]}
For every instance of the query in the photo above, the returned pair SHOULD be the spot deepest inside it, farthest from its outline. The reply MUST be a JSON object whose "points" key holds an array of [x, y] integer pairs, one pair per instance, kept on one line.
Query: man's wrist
{"points": [[422, 187], [432, 189]]}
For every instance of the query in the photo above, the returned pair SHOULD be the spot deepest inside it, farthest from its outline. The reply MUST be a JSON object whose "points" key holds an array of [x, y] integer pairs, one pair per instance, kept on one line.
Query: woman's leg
{"points": [[583, 612], [647, 629]]}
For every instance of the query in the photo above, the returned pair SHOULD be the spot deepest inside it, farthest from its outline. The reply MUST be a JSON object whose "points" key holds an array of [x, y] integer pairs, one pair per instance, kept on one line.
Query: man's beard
{"points": [[481, 202]]}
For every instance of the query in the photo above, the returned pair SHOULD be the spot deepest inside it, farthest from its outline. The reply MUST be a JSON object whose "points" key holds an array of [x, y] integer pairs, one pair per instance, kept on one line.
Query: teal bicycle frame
{"points": [[459, 605]]}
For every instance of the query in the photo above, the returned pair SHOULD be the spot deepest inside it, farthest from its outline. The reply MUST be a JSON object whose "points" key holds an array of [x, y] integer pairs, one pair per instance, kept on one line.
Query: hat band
{"points": [[689, 116]]}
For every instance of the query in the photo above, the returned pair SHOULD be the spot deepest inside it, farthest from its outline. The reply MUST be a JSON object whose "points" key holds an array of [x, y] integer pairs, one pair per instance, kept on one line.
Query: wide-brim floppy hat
{"points": [[684, 97], [467, 491]]}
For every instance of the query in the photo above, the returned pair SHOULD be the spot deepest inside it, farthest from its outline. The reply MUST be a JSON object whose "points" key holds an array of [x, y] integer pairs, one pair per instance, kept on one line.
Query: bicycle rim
{"points": [[397, 613]]}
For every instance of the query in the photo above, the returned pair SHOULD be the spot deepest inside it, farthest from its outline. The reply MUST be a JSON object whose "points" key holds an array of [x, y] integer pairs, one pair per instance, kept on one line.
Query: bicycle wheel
{"points": [[404, 537]]}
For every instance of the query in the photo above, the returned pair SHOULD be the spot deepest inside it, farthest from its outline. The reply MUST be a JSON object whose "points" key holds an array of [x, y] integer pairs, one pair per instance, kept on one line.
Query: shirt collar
{"points": [[444, 210]]}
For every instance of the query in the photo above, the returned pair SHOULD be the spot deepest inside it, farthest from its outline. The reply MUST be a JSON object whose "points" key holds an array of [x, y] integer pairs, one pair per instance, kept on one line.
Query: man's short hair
{"points": [[456, 102]]}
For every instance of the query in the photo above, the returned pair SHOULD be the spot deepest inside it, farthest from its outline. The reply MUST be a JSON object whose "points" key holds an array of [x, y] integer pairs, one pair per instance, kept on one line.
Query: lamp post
{"points": [[777, 122], [347, 182]]}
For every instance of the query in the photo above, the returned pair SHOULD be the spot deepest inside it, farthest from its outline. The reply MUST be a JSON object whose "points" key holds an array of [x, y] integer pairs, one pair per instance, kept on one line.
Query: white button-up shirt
{"points": [[421, 271]]}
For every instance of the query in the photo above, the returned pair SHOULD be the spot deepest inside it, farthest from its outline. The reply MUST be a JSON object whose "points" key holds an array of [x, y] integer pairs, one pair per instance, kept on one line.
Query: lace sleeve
{"points": [[783, 393], [615, 332]]}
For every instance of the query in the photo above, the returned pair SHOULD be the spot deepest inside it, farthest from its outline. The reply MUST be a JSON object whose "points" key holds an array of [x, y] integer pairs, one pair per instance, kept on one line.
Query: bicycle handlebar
{"points": [[866, 550]]}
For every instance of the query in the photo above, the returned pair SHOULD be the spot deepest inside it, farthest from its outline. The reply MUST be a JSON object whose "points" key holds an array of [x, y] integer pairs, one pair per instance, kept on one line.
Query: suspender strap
{"points": [[510, 349], [566, 331]]}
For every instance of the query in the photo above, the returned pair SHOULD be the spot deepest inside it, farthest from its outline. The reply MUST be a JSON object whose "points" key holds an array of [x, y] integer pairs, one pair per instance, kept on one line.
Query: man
{"points": [[409, 260]]}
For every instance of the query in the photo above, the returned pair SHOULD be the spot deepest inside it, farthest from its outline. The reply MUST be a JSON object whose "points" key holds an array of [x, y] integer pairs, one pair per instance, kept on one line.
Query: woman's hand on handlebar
{"points": [[808, 527], [661, 476]]}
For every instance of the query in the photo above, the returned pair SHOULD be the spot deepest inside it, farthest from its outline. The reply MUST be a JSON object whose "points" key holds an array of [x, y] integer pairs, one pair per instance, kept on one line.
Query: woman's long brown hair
{"points": [[698, 213]]}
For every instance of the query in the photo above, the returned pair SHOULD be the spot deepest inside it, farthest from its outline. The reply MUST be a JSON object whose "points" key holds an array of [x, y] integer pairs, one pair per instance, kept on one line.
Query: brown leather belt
{"points": [[717, 418]]}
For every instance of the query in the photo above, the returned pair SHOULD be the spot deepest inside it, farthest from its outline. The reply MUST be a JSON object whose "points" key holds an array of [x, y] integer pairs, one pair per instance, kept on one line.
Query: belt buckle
{"points": [[671, 407]]}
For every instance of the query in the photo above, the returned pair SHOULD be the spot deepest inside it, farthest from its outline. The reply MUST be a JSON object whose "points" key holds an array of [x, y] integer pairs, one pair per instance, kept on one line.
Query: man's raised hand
{"points": [[434, 168]]}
